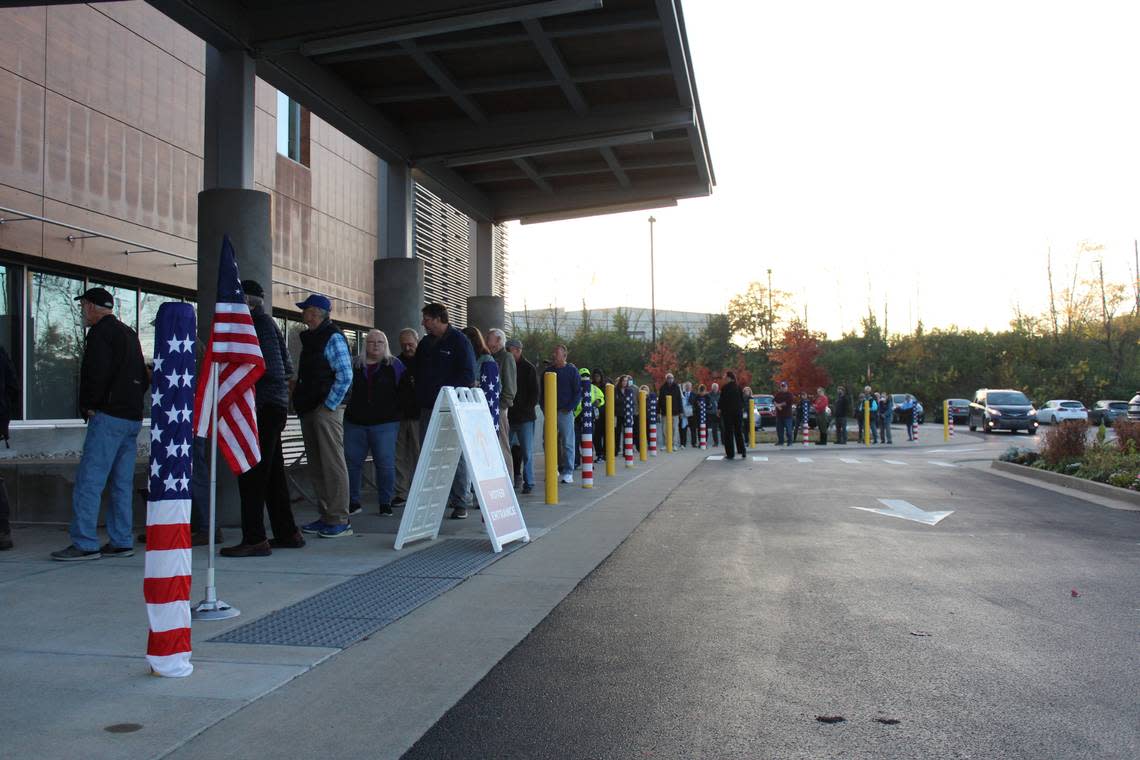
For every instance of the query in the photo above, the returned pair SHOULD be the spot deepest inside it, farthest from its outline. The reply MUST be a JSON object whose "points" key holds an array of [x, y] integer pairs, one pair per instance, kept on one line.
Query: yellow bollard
{"points": [[751, 423], [946, 420], [642, 434], [550, 434], [866, 423], [669, 423], [611, 466]]}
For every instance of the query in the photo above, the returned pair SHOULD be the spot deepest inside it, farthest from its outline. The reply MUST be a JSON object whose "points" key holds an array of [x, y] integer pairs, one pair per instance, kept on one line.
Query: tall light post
{"points": [[652, 284], [769, 309]]}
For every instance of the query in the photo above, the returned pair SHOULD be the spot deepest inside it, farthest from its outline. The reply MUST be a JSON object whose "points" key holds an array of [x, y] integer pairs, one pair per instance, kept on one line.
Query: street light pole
{"points": [[652, 284], [769, 309]]}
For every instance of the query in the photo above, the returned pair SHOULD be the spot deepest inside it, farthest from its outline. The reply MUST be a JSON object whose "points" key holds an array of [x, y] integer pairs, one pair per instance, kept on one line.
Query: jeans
{"points": [[784, 427], [524, 433], [381, 440], [109, 451], [885, 428], [461, 484], [566, 442]]}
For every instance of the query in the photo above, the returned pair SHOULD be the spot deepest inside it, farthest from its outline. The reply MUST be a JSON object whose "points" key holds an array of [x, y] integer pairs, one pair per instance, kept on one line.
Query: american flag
{"points": [[166, 587], [492, 389], [588, 409], [234, 348]]}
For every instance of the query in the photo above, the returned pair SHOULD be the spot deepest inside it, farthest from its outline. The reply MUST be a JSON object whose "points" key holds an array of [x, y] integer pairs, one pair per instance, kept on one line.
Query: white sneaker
{"points": [[568, 478]]}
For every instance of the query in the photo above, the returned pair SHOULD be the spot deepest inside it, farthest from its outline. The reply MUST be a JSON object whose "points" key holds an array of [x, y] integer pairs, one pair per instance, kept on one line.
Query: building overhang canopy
{"points": [[542, 109]]}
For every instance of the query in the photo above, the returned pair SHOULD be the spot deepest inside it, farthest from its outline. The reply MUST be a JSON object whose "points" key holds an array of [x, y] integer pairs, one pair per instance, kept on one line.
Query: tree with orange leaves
{"points": [[662, 361], [796, 360]]}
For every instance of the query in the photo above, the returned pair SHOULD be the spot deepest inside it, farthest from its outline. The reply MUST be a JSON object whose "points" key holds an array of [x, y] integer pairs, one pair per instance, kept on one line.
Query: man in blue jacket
{"points": [[443, 357], [569, 394]]}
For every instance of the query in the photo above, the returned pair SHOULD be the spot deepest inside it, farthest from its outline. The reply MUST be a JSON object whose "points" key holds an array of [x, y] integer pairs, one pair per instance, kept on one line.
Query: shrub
{"points": [[1064, 442], [1127, 432]]}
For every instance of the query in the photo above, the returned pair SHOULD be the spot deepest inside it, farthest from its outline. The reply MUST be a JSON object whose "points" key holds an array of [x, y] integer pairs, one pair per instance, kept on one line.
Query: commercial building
{"points": [[370, 152]]}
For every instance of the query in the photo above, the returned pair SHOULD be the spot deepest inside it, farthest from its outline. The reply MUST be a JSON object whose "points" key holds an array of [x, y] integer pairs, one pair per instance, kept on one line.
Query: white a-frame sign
{"points": [[461, 425]]}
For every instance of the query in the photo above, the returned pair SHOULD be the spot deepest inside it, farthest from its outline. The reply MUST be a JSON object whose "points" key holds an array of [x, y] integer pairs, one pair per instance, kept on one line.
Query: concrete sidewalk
{"points": [[73, 636]]}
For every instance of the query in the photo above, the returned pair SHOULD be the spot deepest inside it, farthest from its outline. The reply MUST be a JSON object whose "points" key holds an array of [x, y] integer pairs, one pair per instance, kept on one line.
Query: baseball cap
{"points": [[97, 296], [252, 288], [514, 343], [316, 299]]}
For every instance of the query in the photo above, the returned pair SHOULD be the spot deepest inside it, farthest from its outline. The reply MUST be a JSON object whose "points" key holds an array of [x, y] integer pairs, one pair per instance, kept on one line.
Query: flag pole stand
{"points": [[212, 608]]}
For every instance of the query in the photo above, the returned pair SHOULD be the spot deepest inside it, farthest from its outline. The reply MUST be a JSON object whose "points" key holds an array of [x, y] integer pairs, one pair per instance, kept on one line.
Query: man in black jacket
{"points": [[842, 412], [112, 381], [522, 416], [731, 404], [671, 389], [264, 486]]}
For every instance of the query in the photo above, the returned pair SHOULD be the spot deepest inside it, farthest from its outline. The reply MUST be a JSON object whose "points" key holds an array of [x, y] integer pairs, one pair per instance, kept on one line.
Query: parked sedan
{"points": [[959, 409], [1107, 411], [1062, 410], [1134, 407]]}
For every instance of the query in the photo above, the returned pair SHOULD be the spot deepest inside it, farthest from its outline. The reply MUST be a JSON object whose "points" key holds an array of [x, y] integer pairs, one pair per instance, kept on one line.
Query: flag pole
{"points": [[212, 608]]}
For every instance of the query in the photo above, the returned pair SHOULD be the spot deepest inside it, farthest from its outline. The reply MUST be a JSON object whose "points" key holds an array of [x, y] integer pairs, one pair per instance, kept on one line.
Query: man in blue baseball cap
{"points": [[324, 378]]}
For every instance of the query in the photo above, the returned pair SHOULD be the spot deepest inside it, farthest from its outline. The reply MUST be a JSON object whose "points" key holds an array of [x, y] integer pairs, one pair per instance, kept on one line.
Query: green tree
{"points": [[754, 316]]}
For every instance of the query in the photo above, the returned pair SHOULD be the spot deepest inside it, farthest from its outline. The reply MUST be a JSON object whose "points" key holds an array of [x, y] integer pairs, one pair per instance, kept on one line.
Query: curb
{"points": [[1068, 481]]}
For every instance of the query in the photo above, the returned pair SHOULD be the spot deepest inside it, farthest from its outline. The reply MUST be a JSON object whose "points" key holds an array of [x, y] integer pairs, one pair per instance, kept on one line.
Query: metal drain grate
{"points": [[347, 612]]}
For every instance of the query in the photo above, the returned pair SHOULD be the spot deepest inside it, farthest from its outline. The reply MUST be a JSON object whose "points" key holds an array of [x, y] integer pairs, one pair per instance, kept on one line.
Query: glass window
{"points": [[55, 345], [292, 129], [353, 338], [293, 341], [9, 337]]}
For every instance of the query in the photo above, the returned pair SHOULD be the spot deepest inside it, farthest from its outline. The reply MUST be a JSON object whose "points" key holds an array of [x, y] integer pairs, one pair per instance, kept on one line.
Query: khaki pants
{"points": [[407, 456], [505, 442], [323, 431]]}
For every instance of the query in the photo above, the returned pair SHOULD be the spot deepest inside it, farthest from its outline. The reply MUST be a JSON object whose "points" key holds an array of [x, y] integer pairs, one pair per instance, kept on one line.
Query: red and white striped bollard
{"points": [[587, 460]]}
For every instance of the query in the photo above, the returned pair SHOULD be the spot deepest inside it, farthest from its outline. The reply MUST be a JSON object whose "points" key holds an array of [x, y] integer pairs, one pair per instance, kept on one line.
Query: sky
{"points": [[917, 157]]}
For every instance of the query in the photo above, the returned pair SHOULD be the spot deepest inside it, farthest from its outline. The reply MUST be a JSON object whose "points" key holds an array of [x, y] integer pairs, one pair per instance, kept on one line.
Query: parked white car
{"points": [[1062, 410]]}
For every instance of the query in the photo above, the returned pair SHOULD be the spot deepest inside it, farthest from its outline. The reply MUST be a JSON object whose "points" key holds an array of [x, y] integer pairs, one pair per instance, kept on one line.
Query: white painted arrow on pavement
{"points": [[907, 511]]}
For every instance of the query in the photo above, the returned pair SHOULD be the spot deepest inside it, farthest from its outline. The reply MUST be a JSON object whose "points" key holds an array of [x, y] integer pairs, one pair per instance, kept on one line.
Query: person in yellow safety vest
{"points": [[598, 399]]}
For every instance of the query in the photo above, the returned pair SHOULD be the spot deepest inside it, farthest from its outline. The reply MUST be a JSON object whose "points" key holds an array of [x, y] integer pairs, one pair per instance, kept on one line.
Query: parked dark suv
{"points": [[1002, 409]]}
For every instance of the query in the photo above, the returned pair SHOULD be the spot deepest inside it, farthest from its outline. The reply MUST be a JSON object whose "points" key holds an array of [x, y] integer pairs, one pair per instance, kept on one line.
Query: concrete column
{"points": [[230, 206], [482, 248], [395, 204], [399, 288], [486, 312], [244, 216], [228, 159]]}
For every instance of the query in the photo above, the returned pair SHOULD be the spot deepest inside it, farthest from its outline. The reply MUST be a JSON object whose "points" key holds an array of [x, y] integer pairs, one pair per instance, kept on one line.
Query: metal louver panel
{"points": [[441, 241], [501, 244]]}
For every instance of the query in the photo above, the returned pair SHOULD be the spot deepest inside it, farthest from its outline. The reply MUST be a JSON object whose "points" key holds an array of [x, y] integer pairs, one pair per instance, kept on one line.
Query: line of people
{"points": [[795, 413]]}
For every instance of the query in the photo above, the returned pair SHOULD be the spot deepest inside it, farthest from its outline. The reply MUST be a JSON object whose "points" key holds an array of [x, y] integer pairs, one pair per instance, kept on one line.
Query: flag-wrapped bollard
{"points": [[651, 410], [805, 435], [627, 422], [702, 416], [914, 423], [166, 584], [950, 423], [587, 443]]}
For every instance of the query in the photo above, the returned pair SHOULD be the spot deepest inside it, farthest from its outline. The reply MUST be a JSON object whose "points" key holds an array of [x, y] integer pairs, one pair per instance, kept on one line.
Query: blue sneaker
{"points": [[314, 527], [335, 531]]}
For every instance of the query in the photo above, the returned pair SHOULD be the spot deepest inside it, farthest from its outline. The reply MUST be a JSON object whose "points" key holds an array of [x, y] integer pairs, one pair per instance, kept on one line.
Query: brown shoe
{"points": [[296, 541], [247, 550]]}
